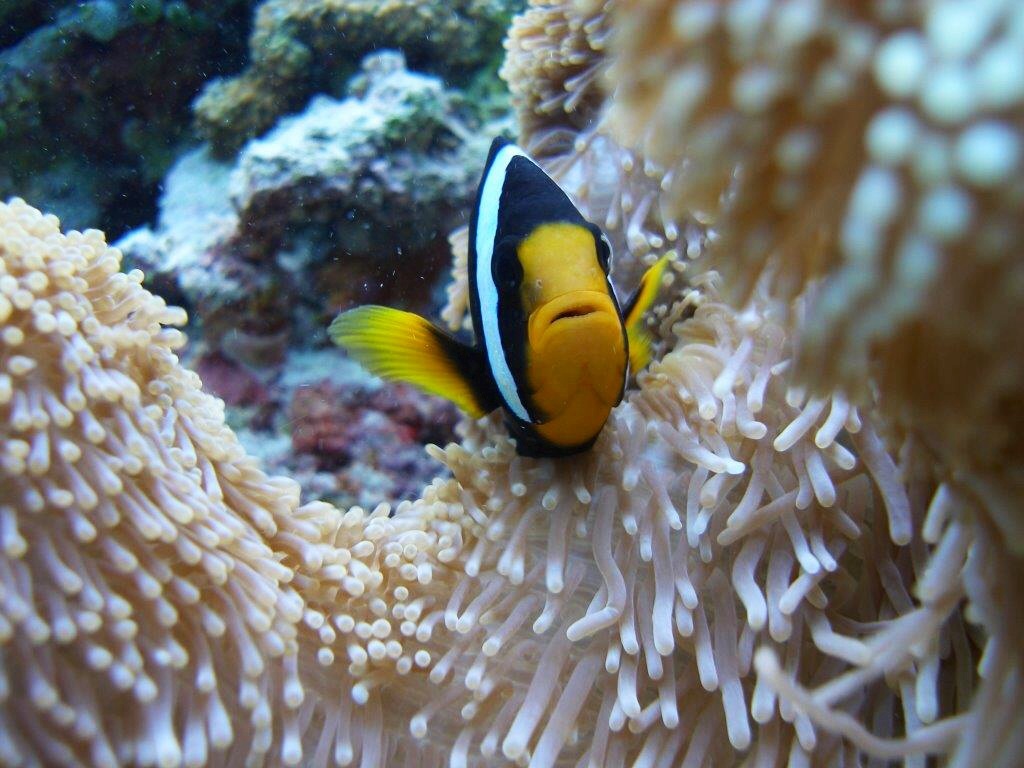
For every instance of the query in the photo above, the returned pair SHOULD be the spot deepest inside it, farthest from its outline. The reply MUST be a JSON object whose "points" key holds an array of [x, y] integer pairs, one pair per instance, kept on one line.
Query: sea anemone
{"points": [[144, 608], [750, 567], [615, 606], [867, 157]]}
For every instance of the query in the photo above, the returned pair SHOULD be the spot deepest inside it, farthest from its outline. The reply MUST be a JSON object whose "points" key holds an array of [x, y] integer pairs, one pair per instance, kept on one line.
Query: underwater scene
{"points": [[512, 383]]}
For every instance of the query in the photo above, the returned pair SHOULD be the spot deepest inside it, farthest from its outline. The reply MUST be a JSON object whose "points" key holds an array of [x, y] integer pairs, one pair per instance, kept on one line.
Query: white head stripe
{"points": [[486, 231]]}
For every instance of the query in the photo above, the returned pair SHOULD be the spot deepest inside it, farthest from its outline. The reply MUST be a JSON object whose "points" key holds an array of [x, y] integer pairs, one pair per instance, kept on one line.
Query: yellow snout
{"points": [[576, 308], [576, 362]]}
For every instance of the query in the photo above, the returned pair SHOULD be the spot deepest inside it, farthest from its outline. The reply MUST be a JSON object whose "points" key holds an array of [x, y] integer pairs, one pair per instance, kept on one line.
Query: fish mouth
{"points": [[579, 311], [567, 309]]}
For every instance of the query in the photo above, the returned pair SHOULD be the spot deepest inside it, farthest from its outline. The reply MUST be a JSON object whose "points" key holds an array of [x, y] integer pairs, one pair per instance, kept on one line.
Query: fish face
{"points": [[552, 346], [575, 349], [575, 354], [576, 375], [556, 260]]}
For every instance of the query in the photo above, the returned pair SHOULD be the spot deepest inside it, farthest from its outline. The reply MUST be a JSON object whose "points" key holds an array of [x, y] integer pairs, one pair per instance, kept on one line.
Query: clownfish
{"points": [[553, 347]]}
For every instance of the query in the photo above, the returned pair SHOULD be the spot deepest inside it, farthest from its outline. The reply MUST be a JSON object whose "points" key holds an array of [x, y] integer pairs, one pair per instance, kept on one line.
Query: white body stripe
{"points": [[486, 231]]}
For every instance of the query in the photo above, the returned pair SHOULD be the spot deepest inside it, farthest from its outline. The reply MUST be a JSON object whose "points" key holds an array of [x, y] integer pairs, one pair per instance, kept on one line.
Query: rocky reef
{"points": [[298, 48], [348, 202], [98, 99], [343, 435]]}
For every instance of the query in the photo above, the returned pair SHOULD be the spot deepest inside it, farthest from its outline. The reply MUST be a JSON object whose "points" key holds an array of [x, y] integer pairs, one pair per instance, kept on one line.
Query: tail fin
{"points": [[402, 346]]}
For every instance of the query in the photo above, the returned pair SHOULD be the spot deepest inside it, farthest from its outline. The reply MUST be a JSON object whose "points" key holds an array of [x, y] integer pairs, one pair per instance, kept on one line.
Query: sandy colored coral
{"points": [[874, 154], [553, 66], [151, 573]]}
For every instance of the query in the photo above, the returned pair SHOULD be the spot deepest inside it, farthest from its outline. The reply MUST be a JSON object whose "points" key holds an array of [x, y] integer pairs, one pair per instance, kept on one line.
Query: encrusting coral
{"points": [[164, 602], [299, 45], [872, 156], [263, 248]]}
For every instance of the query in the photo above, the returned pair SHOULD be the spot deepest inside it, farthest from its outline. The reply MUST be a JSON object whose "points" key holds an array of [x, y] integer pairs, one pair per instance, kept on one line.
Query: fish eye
{"points": [[604, 254], [604, 248], [507, 272]]}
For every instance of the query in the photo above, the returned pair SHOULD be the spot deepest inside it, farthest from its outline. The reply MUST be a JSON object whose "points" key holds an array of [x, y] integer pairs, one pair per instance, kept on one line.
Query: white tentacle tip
{"points": [[733, 467], [766, 663]]}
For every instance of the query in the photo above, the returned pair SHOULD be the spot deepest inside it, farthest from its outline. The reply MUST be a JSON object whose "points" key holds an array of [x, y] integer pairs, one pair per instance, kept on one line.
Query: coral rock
{"points": [[389, 168], [348, 202], [385, 429], [107, 85], [232, 383], [299, 46]]}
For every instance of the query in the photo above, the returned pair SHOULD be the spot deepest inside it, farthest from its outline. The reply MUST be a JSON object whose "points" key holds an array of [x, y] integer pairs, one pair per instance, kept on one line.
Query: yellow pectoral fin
{"points": [[640, 348], [402, 346], [641, 301]]}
